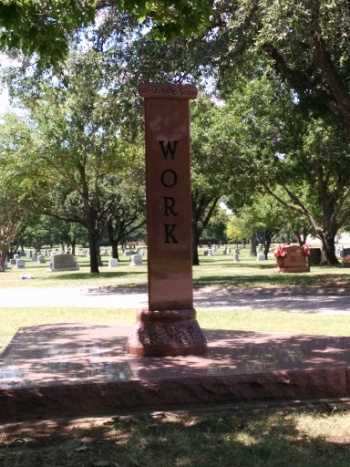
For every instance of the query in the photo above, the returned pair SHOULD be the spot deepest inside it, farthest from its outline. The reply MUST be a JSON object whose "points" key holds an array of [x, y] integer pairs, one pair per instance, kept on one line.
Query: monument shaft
{"points": [[169, 216], [169, 326]]}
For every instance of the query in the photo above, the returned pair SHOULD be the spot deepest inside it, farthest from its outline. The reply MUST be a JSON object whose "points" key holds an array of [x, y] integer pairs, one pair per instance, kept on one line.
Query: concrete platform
{"points": [[83, 369]]}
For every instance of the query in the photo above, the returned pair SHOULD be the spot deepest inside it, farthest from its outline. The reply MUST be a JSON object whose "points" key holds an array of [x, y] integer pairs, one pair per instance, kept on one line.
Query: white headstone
{"points": [[112, 262], [136, 260], [261, 257], [20, 263]]}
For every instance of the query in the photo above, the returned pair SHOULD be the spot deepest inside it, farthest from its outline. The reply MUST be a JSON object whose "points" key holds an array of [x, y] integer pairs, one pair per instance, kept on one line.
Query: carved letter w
{"points": [[169, 149]]}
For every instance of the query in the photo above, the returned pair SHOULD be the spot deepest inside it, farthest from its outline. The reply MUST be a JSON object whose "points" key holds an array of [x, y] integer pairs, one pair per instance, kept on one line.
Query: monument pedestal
{"points": [[166, 332]]}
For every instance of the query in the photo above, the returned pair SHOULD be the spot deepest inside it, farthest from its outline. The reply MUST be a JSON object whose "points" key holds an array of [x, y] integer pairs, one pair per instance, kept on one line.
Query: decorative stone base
{"points": [[166, 332], [293, 269]]}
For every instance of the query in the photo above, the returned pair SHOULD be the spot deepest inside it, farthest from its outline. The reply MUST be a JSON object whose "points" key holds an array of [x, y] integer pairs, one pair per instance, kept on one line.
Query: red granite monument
{"points": [[169, 325], [295, 260]]}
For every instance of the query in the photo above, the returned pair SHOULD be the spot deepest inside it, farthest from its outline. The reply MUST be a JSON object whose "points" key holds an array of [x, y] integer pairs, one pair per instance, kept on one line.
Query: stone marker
{"points": [[41, 259], [135, 260], [295, 261], [261, 257], [63, 262], [315, 256], [112, 262], [169, 325], [20, 263], [346, 252]]}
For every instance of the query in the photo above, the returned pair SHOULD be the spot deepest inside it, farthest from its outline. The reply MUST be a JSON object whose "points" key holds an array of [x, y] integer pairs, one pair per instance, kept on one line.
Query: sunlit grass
{"points": [[217, 269]]}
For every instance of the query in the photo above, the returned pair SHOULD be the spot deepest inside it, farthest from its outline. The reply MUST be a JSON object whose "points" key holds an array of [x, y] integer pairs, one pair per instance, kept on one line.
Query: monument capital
{"points": [[167, 91]]}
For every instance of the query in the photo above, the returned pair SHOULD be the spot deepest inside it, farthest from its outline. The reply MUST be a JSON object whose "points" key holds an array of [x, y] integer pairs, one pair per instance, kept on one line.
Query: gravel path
{"points": [[334, 301]]}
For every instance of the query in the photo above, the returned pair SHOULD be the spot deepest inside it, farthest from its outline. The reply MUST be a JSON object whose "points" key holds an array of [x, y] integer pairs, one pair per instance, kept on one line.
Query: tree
{"points": [[14, 203], [236, 230], [81, 141], [127, 216], [262, 219], [209, 168], [44, 28], [215, 232], [289, 153]]}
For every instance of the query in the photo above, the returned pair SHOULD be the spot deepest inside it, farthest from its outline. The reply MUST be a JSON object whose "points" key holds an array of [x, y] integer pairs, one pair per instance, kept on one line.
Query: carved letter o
{"points": [[168, 178]]}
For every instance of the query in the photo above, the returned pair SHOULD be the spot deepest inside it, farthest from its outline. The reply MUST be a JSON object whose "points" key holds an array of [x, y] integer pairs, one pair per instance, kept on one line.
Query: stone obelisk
{"points": [[169, 325]]}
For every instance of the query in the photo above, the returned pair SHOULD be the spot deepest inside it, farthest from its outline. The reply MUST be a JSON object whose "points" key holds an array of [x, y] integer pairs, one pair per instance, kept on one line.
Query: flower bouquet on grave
{"points": [[280, 251], [306, 250], [346, 260]]}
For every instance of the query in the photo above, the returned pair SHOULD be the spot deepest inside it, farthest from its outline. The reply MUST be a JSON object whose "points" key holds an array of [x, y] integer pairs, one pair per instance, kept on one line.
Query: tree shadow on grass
{"points": [[248, 438]]}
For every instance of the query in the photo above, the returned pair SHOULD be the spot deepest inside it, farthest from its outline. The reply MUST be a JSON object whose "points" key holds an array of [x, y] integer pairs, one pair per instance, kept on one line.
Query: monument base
{"points": [[166, 333], [293, 269]]}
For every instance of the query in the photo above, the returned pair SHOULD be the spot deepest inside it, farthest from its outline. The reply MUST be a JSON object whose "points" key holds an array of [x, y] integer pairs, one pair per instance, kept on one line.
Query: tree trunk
{"points": [[253, 245], [2, 263], [93, 246], [74, 244], [195, 255], [113, 241], [328, 249], [114, 246], [267, 242]]}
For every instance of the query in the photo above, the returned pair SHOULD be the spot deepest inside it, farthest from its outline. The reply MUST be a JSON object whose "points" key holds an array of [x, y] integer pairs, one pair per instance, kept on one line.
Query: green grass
{"points": [[13, 318], [310, 436], [217, 269], [296, 437]]}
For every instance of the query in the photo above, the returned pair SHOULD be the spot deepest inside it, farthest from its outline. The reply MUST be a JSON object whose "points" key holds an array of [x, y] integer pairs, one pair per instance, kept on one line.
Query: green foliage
{"points": [[42, 27]]}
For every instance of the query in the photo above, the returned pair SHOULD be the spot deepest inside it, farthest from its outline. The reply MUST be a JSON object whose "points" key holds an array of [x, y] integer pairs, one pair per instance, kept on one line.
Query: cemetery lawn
{"points": [[221, 436], [225, 436], [217, 269], [12, 319]]}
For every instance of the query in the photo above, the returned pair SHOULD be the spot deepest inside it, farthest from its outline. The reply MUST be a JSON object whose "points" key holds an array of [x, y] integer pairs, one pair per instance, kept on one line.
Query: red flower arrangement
{"points": [[280, 251], [306, 250]]}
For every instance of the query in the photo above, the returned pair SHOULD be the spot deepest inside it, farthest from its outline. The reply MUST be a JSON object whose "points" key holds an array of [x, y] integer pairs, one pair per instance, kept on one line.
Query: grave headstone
{"points": [[261, 257], [13, 261], [63, 262], [295, 261], [315, 256], [112, 262], [346, 252], [16, 256], [41, 259], [20, 263], [236, 255], [136, 260]]}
